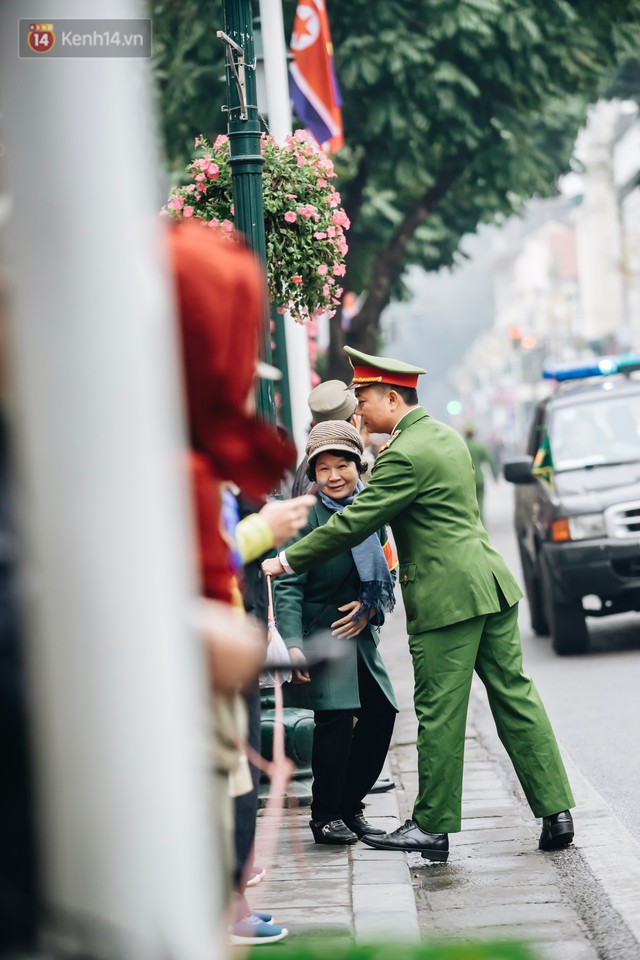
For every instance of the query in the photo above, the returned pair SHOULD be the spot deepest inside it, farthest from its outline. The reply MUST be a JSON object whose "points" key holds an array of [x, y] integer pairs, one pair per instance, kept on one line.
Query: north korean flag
{"points": [[312, 81]]}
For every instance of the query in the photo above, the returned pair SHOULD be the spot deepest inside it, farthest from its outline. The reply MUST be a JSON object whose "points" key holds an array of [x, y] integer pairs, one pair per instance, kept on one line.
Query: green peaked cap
{"points": [[368, 369]]}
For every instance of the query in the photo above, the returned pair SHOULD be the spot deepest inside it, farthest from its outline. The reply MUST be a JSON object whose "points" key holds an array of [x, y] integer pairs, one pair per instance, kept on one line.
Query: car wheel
{"points": [[532, 588], [567, 626], [569, 632]]}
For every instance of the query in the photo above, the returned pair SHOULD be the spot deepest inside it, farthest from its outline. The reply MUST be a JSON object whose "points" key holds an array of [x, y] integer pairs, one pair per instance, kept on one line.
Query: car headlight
{"points": [[587, 526]]}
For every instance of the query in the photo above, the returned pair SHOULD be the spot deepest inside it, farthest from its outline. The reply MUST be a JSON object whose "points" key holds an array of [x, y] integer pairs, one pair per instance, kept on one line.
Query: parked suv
{"points": [[578, 529]]}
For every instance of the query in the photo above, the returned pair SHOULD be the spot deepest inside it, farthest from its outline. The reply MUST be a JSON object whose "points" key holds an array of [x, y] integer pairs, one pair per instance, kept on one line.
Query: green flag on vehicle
{"points": [[543, 464]]}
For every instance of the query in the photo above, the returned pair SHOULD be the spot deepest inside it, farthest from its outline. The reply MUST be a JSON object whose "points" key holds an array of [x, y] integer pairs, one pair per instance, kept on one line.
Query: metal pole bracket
{"points": [[236, 69]]}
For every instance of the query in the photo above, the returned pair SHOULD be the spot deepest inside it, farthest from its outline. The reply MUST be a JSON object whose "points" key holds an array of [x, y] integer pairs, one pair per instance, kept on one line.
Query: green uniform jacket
{"points": [[423, 485], [298, 599]]}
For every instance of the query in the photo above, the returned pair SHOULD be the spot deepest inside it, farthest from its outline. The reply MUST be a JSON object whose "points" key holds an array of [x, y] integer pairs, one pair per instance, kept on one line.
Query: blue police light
{"points": [[598, 367], [601, 367]]}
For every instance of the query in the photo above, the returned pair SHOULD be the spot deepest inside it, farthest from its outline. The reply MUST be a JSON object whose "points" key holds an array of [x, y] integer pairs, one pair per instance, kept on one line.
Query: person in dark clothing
{"points": [[348, 596]]}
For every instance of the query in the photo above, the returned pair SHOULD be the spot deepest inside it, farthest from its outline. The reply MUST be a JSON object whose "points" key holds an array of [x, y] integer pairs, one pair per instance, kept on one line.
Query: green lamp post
{"points": [[245, 159]]}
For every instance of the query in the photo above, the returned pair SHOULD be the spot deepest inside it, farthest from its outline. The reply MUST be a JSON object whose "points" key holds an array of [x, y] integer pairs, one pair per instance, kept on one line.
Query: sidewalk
{"points": [[496, 884]]}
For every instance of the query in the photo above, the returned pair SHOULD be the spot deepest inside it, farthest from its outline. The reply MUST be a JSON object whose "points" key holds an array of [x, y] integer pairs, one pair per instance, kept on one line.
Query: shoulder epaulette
{"points": [[396, 433]]}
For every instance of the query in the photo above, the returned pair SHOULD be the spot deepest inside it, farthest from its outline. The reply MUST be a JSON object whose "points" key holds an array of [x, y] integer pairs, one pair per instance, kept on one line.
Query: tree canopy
{"points": [[455, 113]]}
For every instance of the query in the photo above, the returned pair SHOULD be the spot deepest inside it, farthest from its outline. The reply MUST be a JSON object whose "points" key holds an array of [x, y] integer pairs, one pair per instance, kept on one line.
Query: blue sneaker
{"points": [[267, 917], [254, 930]]}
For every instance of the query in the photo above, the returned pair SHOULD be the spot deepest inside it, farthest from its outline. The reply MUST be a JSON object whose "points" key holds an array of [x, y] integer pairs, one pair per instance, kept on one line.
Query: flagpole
{"points": [[280, 125]]}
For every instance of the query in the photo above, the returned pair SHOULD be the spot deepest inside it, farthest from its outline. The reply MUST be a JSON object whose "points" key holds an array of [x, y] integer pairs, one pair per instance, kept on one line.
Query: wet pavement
{"points": [[582, 903]]}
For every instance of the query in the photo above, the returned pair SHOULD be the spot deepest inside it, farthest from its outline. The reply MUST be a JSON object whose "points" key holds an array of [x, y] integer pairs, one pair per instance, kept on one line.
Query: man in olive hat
{"points": [[330, 400], [461, 605]]}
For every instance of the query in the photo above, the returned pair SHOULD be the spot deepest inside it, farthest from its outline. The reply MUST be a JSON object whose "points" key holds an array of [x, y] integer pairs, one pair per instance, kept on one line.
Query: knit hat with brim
{"points": [[338, 435]]}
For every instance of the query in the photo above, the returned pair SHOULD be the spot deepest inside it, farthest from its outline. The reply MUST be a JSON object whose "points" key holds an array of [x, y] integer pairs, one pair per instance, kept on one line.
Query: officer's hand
{"points": [[286, 517], [347, 627], [272, 567], [300, 673]]}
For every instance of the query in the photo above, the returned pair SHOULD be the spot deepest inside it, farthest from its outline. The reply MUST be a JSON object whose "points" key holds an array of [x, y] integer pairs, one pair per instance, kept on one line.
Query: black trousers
{"points": [[347, 758]]}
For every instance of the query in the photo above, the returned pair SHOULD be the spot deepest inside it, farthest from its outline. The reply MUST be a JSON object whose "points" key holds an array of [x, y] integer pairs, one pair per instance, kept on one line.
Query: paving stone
{"points": [[393, 871], [570, 950], [396, 925], [311, 893], [487, 896], [390, 897], [361, 852]]}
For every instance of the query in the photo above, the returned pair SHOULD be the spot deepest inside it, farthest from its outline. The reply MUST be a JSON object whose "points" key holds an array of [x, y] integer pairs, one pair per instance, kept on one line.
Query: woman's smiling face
{"points": [[336, 476]]}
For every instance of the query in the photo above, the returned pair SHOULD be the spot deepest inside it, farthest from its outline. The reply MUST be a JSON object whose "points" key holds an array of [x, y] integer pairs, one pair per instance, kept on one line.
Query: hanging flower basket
{"points": [[304, 222]]}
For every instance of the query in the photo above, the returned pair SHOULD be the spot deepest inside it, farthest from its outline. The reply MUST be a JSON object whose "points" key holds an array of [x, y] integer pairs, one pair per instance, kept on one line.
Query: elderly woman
{"points": [[352, 697]]}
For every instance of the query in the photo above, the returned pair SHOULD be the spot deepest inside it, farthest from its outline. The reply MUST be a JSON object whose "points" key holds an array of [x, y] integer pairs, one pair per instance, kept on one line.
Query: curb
{"points": [[384, 903]]}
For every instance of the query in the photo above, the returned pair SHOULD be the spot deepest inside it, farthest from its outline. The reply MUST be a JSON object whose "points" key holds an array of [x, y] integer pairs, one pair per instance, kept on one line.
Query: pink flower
{"points": [[300, 136], [291, 196], [322, 269], [339, 269], [331, 231], [176, 203], [340, 218], [296, 279], [227, 225], [322, 182], [326, 291], [213, 171], [301, 161], [319, 235], [232, 209], [187, 212], [214, 222], [200, 177], [290, 216], [220, 140], [308, 211]]}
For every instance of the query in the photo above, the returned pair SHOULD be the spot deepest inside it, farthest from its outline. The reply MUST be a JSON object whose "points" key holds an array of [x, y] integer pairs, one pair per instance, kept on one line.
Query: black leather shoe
{"points": [[359, 825], [432, 846], [332, 831], [557, 831]]}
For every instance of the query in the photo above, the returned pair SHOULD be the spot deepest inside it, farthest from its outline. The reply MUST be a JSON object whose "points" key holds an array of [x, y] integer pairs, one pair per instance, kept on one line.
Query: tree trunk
{"points": [[389, 264], [339, 367]]}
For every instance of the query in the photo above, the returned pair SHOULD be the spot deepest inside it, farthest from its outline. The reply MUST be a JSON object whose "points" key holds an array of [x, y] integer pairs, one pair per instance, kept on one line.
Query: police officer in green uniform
{"points": [[461, 605], [480, 456]]}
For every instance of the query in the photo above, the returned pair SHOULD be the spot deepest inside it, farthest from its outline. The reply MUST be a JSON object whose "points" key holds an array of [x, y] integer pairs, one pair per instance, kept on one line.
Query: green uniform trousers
{"points": [[443, 663]]}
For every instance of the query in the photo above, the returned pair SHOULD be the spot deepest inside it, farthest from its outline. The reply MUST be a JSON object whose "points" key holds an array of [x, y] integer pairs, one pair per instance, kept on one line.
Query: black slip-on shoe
{"points": [[557, 831], [332, 831], [359, 825], [432, 846]]}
